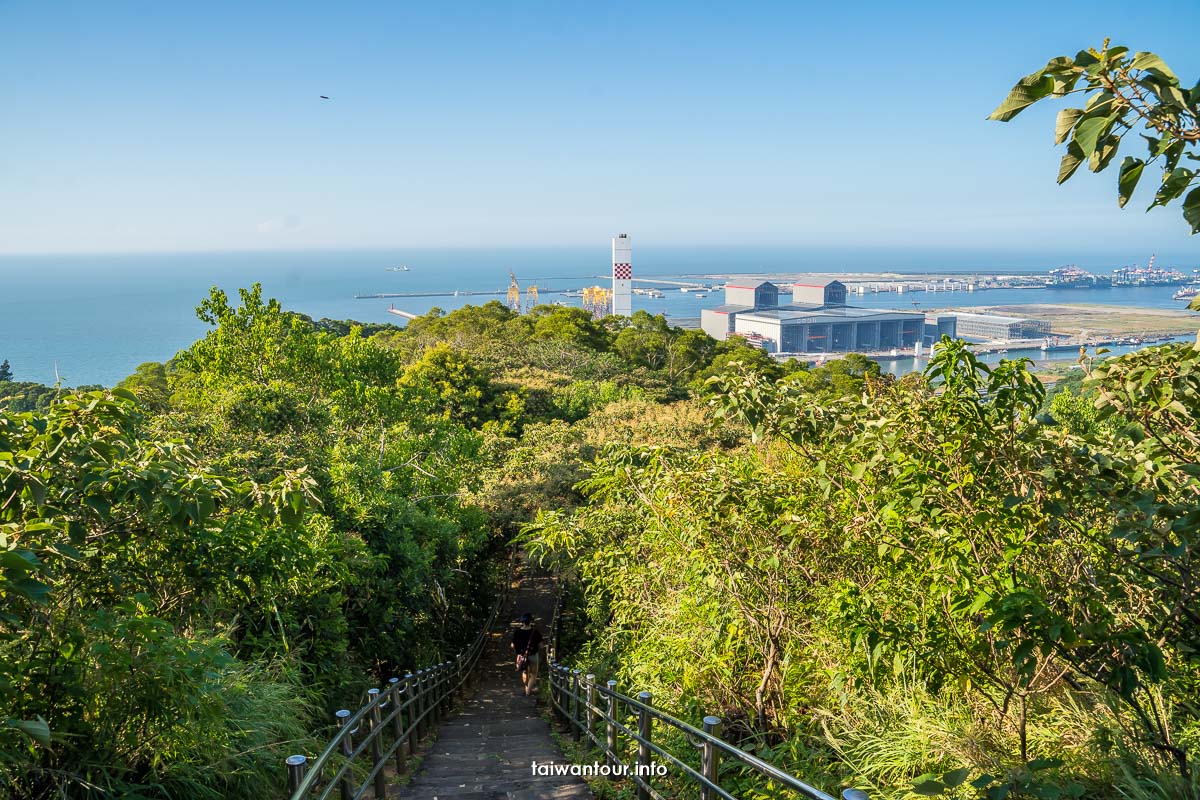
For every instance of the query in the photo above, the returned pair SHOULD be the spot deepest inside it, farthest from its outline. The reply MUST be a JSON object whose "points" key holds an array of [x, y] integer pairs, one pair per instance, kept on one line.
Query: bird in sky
{"points": [[323, 97]]}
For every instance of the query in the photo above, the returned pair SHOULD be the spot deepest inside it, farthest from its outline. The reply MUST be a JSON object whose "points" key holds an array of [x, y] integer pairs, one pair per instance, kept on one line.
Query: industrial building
{"points": [[817, 320], [995, 328], [939, 325]]}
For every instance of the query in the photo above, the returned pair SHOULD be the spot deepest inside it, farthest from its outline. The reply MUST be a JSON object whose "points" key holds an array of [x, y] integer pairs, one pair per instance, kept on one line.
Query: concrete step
{"points": [[486, 751]]}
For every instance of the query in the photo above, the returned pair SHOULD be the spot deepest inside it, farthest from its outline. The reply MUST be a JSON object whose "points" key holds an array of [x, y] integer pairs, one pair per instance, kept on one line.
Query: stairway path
{"points": [[485, 752]]}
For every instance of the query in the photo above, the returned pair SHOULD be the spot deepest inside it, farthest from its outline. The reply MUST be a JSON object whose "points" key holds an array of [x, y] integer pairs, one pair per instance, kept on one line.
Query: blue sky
{"points": [[152, 126]]}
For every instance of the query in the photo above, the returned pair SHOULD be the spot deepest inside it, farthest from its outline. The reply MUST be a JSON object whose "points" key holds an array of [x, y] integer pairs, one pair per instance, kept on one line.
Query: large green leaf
{"points": [[1131, 171], [1150, 61], [36, 729], [1065, 122], [929, 788], [1104, 153], [1070, 162], [955, 777], [1028, 91], [1173, 185], [1191, 209], [1088, 133], [1060, 65]]}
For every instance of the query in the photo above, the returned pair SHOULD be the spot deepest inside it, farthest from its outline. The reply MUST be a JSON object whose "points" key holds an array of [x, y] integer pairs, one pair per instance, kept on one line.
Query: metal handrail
{"points": [[415, 703], [576, 703]]}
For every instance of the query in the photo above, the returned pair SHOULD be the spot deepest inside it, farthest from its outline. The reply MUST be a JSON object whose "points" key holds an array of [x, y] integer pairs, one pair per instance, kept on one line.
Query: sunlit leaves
{"points": [[1131, 172], [1027, 91], [1128, 92]]}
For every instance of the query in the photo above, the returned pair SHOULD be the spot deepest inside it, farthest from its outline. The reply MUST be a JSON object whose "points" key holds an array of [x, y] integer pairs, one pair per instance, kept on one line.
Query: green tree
{"points": [[5, 371], [149, 383], [462, 391], [122, 556], [1128, 92], [571, 325]]}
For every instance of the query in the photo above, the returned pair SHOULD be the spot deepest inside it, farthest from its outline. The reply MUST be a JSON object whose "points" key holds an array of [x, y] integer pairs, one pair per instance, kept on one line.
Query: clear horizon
{"points": [[184, 129], [649, 259]]}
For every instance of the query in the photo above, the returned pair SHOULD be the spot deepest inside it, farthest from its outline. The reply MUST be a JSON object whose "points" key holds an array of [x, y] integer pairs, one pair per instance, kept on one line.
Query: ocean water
{"points": [[93, 319]]}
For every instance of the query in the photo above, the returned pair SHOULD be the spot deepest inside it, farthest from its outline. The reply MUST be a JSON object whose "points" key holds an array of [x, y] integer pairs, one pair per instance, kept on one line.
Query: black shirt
{"points": [[527, 640]]}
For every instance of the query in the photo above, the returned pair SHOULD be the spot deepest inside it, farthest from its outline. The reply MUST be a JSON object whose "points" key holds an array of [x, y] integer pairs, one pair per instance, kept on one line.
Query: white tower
{"points": [[622, 303]]}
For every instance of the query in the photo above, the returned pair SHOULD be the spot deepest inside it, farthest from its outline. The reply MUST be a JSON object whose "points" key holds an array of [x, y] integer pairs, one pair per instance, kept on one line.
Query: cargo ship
{"points": [[1072, 277]]}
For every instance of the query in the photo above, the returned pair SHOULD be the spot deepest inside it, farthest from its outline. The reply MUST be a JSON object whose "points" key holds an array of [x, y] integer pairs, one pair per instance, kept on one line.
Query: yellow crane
{"points": [[598, 301], [531, 298]]}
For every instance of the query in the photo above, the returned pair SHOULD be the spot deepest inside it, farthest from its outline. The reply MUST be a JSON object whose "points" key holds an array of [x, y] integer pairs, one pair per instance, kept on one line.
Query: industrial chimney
{"points": [[622, 274]]}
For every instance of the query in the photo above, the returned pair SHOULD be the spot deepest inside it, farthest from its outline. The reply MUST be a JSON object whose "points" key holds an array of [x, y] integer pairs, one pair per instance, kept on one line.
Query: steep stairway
{"points": [[486, 751]]}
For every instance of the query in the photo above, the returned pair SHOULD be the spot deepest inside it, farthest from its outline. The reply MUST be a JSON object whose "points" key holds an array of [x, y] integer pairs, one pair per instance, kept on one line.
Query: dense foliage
{"points": [[200, 564], [28, 396], [922, 584], [947, 583]]}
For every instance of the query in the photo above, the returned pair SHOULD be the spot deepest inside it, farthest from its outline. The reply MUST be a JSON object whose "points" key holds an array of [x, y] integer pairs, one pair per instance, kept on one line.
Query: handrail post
{"points": [[377, 742], [410, 712], [575, 722], [710, 757], [430, 684], [589, 714], [610, 724], [343, 718], [445, 691], [555, 694], [297, 768], [420, 717], [432, 703], [643, 756], [397, 690], [435, 699]]}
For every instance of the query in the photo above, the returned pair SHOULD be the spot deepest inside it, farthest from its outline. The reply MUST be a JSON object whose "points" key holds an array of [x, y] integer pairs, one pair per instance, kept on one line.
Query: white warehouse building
{"points": [[816, 321], [830, 330]]}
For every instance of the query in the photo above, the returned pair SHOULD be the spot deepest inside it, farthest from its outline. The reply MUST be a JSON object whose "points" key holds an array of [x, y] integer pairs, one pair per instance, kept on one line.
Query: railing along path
{"points": [[615, 723], [403, 712]]}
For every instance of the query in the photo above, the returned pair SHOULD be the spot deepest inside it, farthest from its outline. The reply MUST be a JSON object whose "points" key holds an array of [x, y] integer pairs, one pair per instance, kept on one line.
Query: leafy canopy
{"points": [[1124, 92]]}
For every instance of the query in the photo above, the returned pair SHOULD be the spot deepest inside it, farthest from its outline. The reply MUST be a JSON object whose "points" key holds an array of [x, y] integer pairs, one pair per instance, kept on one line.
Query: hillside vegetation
{"points": [[200, 565], [946, 584], [938, 585]]}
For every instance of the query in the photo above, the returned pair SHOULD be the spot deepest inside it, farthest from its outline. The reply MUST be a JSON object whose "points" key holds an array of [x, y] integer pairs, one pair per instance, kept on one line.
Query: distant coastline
{"points": [[98, 317]]}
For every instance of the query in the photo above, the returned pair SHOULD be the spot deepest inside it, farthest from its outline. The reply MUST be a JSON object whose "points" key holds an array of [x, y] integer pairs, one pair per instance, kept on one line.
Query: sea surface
{"points": [[93, 319]]}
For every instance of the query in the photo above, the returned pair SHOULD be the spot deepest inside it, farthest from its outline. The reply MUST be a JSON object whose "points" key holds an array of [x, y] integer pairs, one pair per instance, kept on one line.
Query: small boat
{"points": [[401, 268], [1186, 294]]}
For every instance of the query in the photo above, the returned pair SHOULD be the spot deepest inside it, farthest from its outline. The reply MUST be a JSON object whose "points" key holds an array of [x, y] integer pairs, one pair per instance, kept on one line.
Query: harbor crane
{"points": [[513, 300]]}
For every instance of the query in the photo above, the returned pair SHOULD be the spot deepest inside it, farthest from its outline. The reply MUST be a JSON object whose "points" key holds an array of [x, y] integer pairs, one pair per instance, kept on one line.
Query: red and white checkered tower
{"points": [[622, 301]]}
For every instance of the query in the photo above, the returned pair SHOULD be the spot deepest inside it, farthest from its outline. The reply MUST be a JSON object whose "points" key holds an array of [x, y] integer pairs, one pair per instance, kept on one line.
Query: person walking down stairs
{"points": [[526, 644]]}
